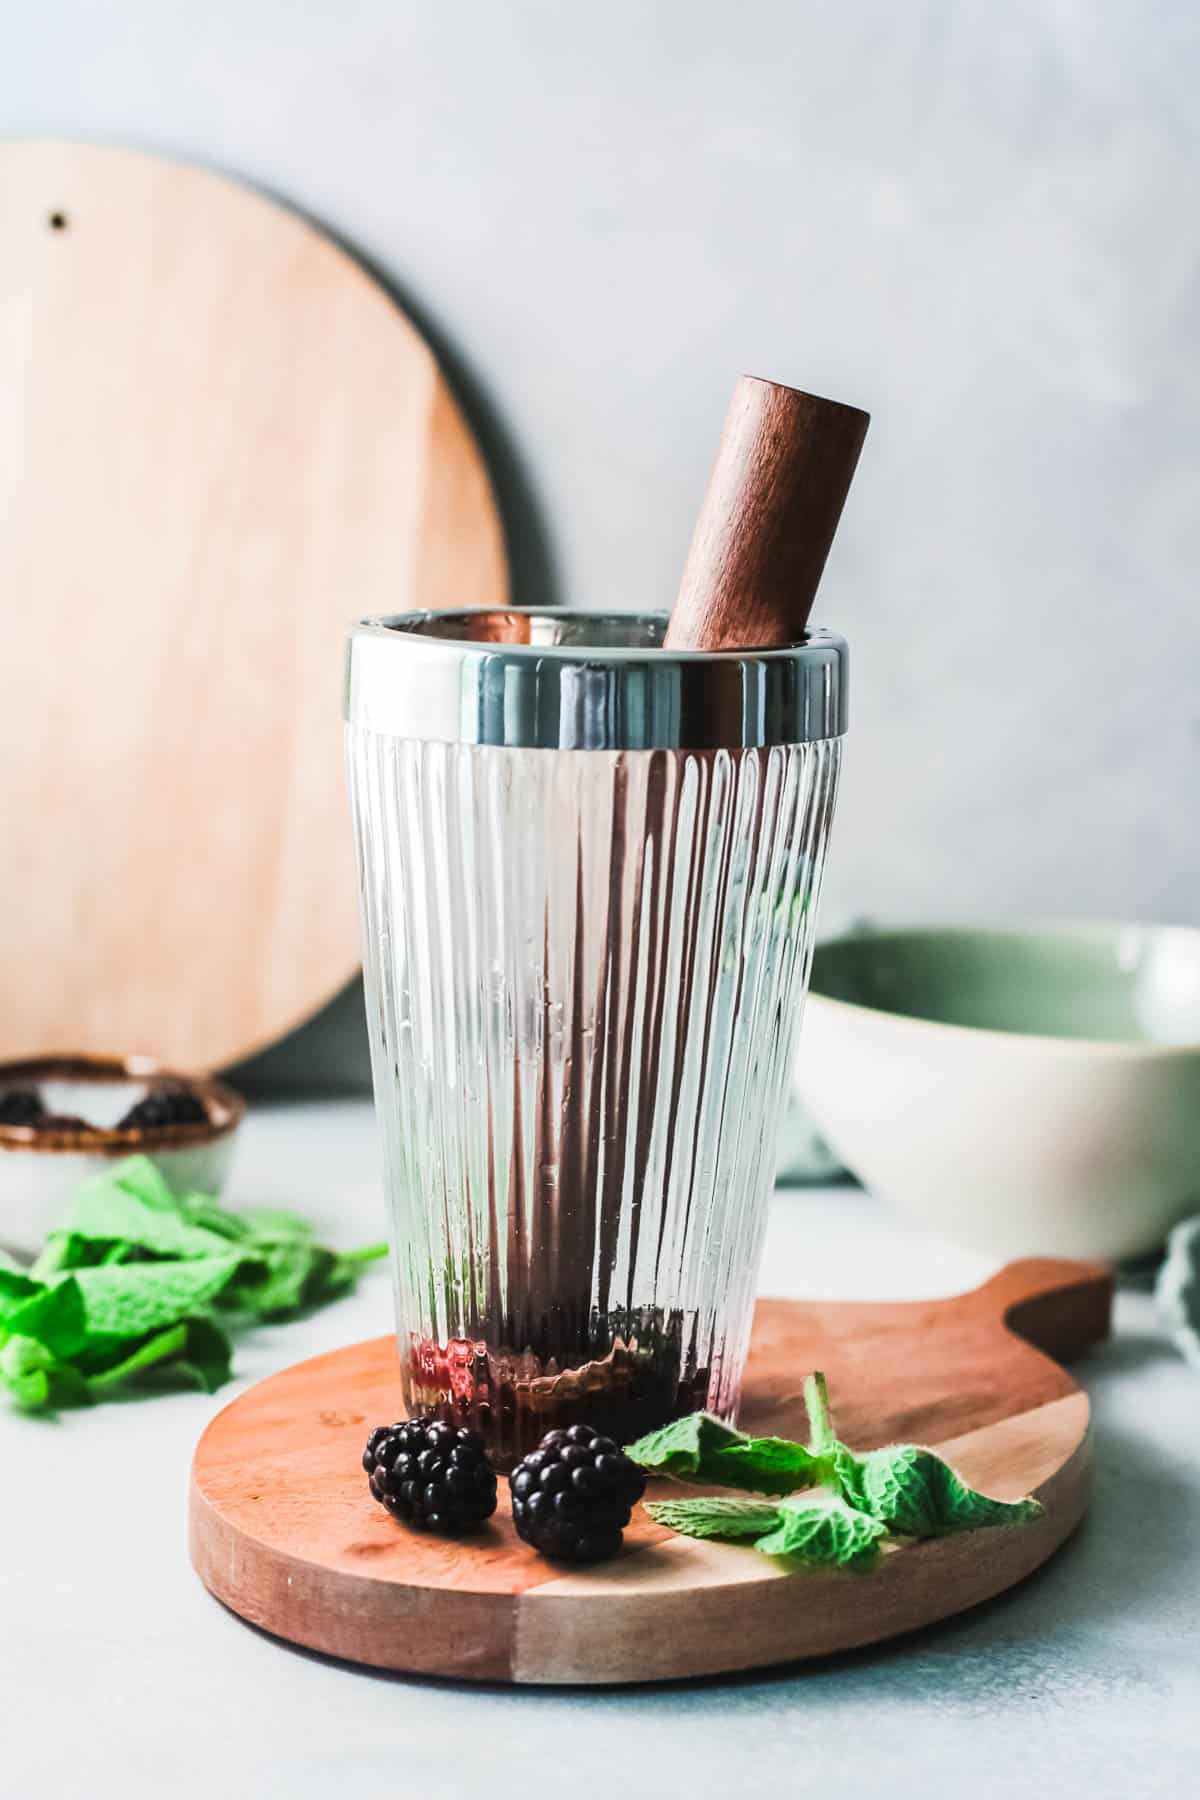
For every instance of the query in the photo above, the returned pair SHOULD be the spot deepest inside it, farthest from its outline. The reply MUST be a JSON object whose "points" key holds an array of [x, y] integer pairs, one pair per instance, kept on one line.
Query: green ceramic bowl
{"points": [[1023, 1090]]}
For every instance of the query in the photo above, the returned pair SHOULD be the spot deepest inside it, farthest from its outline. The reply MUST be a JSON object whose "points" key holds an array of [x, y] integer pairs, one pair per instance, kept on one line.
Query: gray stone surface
{"points": [[120, 1676]]}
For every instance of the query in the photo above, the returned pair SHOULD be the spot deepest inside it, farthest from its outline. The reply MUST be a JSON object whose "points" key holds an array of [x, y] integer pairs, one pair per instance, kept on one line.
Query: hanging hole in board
{"points": [[57, 221]]}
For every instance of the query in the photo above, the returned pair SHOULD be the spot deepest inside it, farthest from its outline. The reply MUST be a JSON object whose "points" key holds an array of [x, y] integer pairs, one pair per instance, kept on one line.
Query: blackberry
{"points": [[432, 1475], [21, 1106], [572, 1497], [173, 1103]]}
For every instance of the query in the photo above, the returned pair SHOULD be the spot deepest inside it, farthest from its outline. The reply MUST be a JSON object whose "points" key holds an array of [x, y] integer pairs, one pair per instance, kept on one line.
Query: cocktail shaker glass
{"points": [[589, 872]]}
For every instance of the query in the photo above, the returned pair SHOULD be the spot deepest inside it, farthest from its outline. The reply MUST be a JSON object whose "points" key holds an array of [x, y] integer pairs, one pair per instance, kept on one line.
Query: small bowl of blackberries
{"points": [[63, 1118], [572, 1497]]}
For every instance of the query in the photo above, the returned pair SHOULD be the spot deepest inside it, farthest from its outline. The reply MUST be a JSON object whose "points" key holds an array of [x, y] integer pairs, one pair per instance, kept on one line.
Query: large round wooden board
{"points": [[220, 442], [284, 1531]]}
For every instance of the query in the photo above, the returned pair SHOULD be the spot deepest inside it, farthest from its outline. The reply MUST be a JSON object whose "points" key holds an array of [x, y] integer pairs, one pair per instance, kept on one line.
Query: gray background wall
{"points": [[979, 220]]}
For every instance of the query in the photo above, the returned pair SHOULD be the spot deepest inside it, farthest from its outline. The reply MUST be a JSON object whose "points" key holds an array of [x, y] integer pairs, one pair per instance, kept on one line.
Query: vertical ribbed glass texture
{"points": [[583, 971]]}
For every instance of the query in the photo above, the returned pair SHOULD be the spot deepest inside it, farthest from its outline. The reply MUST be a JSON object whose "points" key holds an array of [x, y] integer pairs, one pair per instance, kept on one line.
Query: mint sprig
{"points": [[126, 1291], [909, 1489], [853, 1504]]}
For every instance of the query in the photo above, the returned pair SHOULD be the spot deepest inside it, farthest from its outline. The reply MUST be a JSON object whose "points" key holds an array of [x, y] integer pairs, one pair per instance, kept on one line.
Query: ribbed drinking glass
{"points": [[589, 871]]}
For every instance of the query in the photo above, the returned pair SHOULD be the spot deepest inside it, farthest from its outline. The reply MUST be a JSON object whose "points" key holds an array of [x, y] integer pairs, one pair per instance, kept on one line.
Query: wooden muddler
{"points": [[781, 476]]}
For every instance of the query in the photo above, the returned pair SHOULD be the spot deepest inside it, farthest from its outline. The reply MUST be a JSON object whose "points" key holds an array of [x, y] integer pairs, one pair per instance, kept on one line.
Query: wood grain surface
{"points": [[783, 469], [284, 1531], [220, 443]]}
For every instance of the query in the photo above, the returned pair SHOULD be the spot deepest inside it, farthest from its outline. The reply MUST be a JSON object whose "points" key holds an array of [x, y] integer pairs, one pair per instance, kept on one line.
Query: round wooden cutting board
{"points": [[220, 442], [284, 1531]]}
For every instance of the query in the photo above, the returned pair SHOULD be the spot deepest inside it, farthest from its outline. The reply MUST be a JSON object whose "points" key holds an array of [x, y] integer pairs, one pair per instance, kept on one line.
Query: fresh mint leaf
{"points": [[194, 1350], [282, 1267], [124, 1292], [54, 1316], [700, 1448], [820, 1528], [208, 1215], [89, 1308], [764, 1466], [684, 1447], [853, 1503], [36, 1378], [207, 1355], [280, 1279], [905, 1487], [286, 1276], [143, 1178], [111, 1212], [155, 1350], [62, 1251], [908, 1489], [15, 1290], [275, 1225], [816, 1528], [725, 1519], [915, 1494]]}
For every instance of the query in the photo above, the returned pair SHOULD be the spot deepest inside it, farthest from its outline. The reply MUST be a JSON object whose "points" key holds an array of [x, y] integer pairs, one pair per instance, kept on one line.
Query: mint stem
{"points": [[368, 1254], [821, 1438]]}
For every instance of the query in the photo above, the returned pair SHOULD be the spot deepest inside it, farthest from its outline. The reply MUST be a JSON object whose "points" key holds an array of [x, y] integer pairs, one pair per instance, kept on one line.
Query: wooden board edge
{"points": [[386, 1625]]}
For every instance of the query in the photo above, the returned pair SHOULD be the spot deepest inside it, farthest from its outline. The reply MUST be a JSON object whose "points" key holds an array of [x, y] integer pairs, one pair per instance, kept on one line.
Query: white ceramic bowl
{"points": [[41, 1170], [1022, 1091]]}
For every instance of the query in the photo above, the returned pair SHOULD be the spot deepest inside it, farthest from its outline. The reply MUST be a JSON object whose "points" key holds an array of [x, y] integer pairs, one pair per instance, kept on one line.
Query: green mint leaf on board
{"points": [[908, 1489], [915, 1494], [819, 1528], [816, 1528], [700, 1448], [854, 1502], [764, 1466], [683, 1447], [724, 1519]]}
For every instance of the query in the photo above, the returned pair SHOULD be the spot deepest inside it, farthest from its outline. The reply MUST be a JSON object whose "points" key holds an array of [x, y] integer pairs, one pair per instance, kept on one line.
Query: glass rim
{"points": [[563, 679]]}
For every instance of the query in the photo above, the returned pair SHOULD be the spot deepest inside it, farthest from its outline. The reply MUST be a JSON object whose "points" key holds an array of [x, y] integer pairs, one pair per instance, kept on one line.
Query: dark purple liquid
{"points": [[625, 1375]]}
